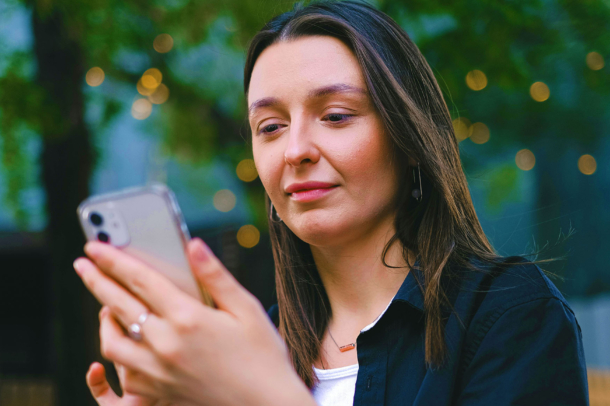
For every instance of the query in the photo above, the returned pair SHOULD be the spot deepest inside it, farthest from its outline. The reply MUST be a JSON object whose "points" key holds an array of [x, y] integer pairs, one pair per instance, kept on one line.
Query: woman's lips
{"points": [[311, 194]]}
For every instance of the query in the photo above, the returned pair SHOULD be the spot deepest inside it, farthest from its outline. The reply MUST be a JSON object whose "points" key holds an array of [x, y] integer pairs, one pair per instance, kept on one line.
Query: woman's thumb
{"points": [[226, 292]]}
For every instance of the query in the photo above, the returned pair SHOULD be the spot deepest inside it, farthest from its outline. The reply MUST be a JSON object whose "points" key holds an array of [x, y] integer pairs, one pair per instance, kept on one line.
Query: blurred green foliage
{"points": [[514, 43]]}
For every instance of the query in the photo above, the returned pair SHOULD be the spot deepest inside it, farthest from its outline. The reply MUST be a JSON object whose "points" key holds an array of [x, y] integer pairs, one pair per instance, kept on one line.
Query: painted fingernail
{"points": [[78, 266]]}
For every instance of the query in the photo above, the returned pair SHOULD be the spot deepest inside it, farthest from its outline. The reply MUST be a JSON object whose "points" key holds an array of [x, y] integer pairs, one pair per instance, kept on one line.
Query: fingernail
{"points": [[78, 263], [92, 250], [202, 251], [91, 366], [104, 312]]}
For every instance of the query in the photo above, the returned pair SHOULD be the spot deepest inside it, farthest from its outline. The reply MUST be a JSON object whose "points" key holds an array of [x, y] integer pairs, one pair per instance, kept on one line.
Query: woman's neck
{"points": [[358, 285]]}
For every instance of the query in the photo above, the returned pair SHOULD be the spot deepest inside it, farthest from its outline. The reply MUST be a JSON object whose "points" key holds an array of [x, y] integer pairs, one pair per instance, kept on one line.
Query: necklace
{"points": [[342, 348]]}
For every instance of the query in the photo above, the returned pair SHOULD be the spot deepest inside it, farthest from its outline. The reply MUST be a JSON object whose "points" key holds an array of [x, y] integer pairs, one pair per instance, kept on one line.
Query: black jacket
{"points": [[520, 344]]}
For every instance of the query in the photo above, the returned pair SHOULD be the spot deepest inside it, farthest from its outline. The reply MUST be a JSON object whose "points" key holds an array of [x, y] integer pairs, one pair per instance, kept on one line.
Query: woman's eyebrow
{"points": [[332, 89], [313, 94], [260, 103]]}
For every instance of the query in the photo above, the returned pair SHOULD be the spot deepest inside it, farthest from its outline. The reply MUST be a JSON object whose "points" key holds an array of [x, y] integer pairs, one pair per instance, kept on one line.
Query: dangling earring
{"points": [[417, 193], [279, 220]]}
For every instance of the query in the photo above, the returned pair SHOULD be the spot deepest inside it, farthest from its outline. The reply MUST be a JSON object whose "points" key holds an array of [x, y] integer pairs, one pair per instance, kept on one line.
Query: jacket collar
{"points": [[410, 291]]}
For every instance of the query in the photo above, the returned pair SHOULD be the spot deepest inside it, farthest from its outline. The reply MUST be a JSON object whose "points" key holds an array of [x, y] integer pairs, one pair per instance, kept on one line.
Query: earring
{"points": [[279, 220], [417, 193]]}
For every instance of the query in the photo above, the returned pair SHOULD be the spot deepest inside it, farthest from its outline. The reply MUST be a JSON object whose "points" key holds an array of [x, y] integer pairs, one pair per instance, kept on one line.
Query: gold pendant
{"points": [[347, 347]]}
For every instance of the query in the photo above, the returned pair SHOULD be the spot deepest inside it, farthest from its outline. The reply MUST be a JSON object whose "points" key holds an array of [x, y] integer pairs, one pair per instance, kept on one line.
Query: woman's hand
{"points": [[190, 354], [105, 396]]}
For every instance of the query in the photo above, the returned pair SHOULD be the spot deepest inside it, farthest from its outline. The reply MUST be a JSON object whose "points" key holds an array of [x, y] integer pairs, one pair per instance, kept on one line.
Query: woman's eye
{"points": [[269, 128], [336, 117], [333, 118]]}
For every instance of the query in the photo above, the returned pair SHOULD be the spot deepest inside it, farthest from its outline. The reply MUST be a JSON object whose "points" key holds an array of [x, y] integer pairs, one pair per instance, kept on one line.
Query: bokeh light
{"points": [[224, 200], [248, 236], [476, 80], [595, 61], [141, 109], [539, 91], [163, 43], [462, 128], [587, 164], [152, 78], [143, 90], [246, 170], [95, 76], [479, 133], [525, 159], [160, 95]]}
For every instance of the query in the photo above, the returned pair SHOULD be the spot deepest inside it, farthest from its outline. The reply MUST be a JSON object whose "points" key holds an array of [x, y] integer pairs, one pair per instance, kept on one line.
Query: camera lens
{"points": [[96, 219], [103, 237]]}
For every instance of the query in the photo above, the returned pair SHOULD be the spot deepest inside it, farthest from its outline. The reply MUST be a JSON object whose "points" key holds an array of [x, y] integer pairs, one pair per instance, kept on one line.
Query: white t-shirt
{"points": [[337, 386]]}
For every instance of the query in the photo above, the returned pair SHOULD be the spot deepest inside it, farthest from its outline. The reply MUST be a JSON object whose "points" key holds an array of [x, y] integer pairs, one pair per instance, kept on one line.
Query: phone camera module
{"points": [[103, 237], [96, 219]]}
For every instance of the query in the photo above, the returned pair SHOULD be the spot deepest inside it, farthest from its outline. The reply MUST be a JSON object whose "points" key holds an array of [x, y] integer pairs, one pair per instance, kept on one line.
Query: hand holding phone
{"points": [[145, 222], [183, 351]]}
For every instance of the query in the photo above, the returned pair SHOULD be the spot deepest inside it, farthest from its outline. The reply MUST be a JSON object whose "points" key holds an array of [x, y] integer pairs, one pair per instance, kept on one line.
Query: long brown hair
{"points": [[442, 229]]}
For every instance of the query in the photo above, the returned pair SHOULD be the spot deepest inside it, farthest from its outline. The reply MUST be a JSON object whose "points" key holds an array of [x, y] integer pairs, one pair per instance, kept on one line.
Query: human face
{"points": [[312, 119]]}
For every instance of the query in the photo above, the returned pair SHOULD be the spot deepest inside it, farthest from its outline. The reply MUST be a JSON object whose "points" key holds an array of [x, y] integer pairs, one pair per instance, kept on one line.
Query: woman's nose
{"points": [[301, 146]]}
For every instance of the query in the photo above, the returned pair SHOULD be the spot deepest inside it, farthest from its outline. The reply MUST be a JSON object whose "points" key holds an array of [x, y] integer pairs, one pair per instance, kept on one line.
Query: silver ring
{"points": [[135, 329]]}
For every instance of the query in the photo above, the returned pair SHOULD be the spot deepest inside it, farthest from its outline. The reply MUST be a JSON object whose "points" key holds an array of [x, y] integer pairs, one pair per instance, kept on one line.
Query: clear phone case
{"points": [[146, 223]]}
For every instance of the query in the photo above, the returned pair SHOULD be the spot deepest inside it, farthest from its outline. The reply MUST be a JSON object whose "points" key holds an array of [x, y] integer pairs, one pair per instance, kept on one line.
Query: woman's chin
{"points": [[320, 230]]}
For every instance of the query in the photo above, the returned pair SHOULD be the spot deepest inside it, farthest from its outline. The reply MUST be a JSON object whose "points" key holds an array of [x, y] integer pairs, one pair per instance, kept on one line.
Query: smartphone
{"points": [[145, 222]]}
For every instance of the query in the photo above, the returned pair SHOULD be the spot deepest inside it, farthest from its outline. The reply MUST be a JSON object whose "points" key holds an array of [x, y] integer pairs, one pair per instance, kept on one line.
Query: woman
{"points": [[389, 293]]}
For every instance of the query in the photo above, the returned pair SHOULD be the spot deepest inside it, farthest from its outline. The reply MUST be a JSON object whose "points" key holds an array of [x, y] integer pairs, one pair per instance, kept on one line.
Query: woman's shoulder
{"points": [[513, 300], [511, 282], [520, 330]]}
